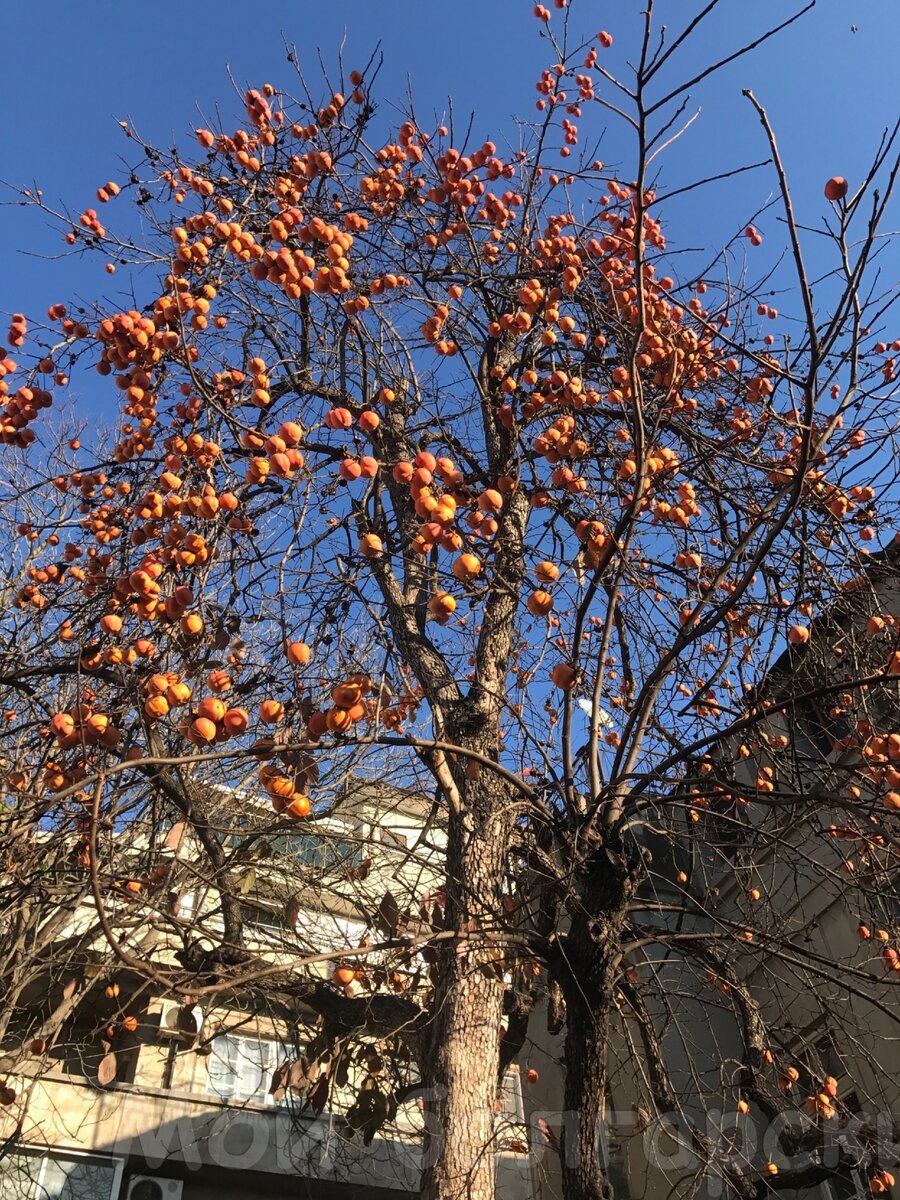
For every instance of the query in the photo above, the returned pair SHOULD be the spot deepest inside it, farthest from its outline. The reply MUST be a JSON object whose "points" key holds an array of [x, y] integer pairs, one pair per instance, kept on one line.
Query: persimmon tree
{"points": [[428, 455]]}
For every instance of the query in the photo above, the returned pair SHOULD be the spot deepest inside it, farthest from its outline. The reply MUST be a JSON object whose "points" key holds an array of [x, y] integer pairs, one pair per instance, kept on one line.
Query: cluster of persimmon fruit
{"points": [[21, 408], [82, 725], [210, 722]]}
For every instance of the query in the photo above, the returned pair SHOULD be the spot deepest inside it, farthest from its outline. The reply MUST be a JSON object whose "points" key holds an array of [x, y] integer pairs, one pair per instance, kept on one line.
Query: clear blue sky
{"points": [[71, 72]]}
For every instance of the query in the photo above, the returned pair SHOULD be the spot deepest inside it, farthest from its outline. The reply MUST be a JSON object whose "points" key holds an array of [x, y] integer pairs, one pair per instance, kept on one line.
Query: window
{"points": [[510, 1119], [616, 1161], [241, 1068], [390, 837], [511, 1105], [262, 918], [64, 1176], [187, 905], [814, 718], [321, 852], [326, 851]]}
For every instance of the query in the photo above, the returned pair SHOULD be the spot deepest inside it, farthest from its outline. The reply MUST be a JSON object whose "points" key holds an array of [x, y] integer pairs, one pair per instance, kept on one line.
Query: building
{"points": [[179, 1101], [798, 854]]}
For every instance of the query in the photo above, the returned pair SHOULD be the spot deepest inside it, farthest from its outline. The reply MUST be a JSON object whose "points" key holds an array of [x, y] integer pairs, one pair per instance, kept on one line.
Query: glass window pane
{"points": [[18, 1176], [76, 1179], [240, 1068], [511, 1096], [32, 1177], [221, 1068]]}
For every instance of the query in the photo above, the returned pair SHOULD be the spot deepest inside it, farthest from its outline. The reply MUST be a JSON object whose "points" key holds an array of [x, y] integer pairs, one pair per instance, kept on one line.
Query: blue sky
{"points": [[72, 72]]}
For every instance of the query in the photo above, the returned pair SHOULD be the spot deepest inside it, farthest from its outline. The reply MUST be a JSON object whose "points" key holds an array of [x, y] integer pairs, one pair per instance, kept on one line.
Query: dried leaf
{"points": [[279, 1084], [301, 1073], [70, 987], [388, 915], [175, 835], [106, 1071], [291, 913], [374, 1124], [342, 1071], [248, 881], [362, 871], [318, 1097]]}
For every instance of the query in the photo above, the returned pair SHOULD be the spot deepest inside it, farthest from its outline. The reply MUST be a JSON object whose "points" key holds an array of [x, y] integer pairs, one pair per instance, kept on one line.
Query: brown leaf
{"points": [[342, 1071], [106, 1071], [174, 836], [300, 1074], [278, 1086], [362, 871], [388, 915], [291, 912], [318, 1097]]}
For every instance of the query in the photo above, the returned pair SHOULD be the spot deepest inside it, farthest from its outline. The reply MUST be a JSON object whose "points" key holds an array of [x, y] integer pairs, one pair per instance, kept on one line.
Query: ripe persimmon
{"points": [[235, 721], [563, 675], [466, 567], [191, 624], [203, 729], [298, 808], [539, 603], [442, 606], [338, 720], [345, 695], [212, 708], [490, 501], [298, 653]]}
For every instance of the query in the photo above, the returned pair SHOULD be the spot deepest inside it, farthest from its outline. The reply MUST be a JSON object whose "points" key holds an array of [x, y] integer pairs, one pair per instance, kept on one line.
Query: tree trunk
{"points": [[593, 962], [465, 1033], [581, 1143]]}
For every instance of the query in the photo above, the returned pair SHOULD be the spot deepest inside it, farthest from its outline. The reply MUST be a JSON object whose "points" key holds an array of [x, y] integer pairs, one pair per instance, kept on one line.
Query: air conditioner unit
{"points": [[179, 1020], [152, 1187]]}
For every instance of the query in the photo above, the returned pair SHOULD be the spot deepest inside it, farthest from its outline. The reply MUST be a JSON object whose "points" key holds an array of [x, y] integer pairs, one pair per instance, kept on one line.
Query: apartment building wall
{"points": [[174, 1110]]}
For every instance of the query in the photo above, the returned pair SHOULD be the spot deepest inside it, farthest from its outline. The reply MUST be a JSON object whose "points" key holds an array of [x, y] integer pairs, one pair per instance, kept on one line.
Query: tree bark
{"points": [[589, 980], [581, 1144], [464, 1038]]}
